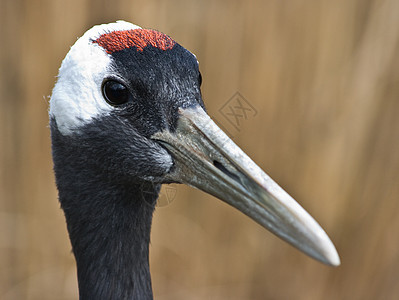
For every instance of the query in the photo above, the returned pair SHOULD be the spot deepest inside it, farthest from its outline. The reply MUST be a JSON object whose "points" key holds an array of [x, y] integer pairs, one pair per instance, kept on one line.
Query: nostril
{"points": [[225, 171]]}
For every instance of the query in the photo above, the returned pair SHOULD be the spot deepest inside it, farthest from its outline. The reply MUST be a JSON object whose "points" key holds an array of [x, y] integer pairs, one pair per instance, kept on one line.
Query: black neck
{"points": [[110, 243], [110, 235], [109, 225]]}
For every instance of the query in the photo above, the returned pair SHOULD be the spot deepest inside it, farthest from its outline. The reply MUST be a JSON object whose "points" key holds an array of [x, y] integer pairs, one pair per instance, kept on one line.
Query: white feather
{"points": [[77, 97]]}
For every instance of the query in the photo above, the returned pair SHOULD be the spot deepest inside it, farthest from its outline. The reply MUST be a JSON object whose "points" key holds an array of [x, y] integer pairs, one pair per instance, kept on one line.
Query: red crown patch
{"points": [[140, 38]]}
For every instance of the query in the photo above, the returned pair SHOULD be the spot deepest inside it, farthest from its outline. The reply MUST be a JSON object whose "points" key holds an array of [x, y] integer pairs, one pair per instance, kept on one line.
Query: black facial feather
{"points": [[158, 91]]}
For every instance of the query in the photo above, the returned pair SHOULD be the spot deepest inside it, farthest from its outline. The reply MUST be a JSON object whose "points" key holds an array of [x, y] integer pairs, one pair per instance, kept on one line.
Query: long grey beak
{"points": [[206, 158]]}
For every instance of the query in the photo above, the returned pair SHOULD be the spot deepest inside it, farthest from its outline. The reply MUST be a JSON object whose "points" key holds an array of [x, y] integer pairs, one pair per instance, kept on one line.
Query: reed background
{"points": [[323, 77]]}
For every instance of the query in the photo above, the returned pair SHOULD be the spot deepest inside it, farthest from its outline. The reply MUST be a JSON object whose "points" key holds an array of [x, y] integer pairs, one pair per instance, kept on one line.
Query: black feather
{"points": [[109, 171]]}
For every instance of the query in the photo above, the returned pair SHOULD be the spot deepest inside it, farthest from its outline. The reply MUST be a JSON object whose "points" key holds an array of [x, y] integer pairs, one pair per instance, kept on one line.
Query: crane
{"points": [[126, 116]]}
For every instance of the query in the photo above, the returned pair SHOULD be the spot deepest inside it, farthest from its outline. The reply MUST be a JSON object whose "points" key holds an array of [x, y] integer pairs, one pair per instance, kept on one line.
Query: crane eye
{"points": [[115, 93], [199, 79]]}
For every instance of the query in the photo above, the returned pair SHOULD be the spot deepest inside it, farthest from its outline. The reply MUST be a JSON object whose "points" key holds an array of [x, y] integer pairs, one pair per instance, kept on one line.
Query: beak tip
{"points": [[329, 255], [333, 258]]}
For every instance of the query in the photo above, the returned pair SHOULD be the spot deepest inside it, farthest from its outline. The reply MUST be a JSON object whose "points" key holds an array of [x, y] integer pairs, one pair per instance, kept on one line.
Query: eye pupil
{"points": [[115, 93]]}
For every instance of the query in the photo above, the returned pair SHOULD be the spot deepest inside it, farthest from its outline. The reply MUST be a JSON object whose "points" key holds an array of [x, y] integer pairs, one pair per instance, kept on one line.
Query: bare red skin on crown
{"points": [[140, 38]]}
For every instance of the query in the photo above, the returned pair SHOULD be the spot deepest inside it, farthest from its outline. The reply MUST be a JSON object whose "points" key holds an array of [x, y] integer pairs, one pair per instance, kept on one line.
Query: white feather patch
{"points": [[77, 97]]}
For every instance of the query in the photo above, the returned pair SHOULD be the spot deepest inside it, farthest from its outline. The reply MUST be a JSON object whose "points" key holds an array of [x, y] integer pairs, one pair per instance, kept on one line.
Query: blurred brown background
{"points": [[323, 78]]}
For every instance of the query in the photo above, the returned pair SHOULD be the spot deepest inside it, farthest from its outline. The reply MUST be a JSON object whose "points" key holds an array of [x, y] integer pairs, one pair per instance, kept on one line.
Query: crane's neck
{"points": [[109, 225], [110, 235]]}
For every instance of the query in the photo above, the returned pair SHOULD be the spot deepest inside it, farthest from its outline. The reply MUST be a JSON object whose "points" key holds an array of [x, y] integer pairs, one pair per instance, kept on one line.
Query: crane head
{"points": [[129, 100]]}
